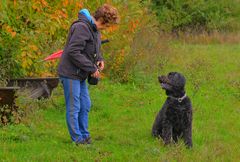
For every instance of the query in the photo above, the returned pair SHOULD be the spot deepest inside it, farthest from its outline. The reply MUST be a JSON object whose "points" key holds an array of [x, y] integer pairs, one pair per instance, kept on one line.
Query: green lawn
{"points": [[121, 116]]}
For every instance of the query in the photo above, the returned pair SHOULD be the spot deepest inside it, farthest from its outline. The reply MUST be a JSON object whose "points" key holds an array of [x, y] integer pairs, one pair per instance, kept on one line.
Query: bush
{"points": [[36, 29], [39, 28], [10, 115], [120, 54], [9, 66], [197, 15]]}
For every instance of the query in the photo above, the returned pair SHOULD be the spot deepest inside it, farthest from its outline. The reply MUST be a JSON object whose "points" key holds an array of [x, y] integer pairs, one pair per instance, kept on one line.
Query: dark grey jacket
{"points": [[81, 52]]}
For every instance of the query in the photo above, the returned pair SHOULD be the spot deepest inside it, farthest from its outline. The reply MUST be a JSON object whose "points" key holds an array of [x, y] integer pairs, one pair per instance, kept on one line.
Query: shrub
{"points": [[9, 44], [37, 28], [197, 15], [119, 53], [40, 27], [10, 115]]}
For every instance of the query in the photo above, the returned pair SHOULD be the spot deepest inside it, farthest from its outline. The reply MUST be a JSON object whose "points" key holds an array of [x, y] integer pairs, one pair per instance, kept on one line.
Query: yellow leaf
{"points": [[33, 47]]}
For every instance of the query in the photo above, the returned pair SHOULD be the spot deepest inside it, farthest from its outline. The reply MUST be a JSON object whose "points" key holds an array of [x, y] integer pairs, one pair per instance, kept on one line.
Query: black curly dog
{"points": [[174, 120]]}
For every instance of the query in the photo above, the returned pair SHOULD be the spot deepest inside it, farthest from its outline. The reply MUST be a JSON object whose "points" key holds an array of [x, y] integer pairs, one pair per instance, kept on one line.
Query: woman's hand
{"points": [[96, 74], [100, 65]]}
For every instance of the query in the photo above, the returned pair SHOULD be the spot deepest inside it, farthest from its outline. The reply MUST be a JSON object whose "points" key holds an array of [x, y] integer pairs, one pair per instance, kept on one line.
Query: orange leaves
{"points": [[121, 56], [28, 56], [9, 30], [112, 28], [15, 3], [49, 69], [65, 3], [103, 37], [78, 5], [59, 14], [38, 5], [133, 25], [46, 74], [44, 3], [119, 60]]}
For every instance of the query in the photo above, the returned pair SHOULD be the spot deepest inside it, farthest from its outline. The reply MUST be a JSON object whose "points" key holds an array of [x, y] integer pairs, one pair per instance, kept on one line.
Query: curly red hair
{"points": [[108, 14]]}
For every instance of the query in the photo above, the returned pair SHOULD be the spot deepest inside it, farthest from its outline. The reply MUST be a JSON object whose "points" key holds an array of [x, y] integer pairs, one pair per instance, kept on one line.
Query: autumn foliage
{"points": [[31, 30]]}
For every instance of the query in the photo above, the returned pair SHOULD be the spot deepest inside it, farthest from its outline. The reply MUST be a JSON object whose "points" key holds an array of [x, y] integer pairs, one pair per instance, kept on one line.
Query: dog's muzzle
{"points": [[163, 79]]}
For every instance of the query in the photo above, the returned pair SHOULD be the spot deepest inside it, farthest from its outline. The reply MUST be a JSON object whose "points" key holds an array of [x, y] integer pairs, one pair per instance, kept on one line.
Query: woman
{"points": [[82, 57]]}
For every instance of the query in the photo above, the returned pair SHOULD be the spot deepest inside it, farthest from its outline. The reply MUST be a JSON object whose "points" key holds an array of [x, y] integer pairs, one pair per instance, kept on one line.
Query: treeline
{"points": [[197, 15]]}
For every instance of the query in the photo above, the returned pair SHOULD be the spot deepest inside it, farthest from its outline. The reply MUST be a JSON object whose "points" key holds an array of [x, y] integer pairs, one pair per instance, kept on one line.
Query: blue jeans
{"points": [[77, 108]]}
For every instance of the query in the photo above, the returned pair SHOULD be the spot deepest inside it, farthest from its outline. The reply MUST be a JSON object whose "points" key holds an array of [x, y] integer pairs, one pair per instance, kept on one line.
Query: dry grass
{"points": [[210, 38]]}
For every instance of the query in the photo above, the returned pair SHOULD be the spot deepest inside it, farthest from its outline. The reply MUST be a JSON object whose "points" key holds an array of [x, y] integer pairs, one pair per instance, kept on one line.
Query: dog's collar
{"points": [[179, 99]]}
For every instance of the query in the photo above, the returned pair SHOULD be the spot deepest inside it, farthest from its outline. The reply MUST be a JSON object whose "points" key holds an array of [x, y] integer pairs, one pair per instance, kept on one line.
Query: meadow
{"points": [[122, 115]]}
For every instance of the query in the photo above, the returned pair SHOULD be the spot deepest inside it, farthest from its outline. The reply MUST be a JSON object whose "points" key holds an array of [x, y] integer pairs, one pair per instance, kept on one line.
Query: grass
{"points": [[121, 116]]}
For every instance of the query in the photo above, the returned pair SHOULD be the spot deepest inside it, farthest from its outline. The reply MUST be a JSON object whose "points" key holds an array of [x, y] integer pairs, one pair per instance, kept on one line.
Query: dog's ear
{"points": [[180, 80], [177, 80]]}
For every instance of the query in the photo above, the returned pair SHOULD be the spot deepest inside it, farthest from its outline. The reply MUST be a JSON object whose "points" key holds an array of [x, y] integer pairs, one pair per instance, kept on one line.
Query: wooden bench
{"points": [[37, 87]]}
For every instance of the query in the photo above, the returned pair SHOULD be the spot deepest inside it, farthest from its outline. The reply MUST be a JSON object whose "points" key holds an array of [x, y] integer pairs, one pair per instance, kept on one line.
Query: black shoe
{"points": [[85, 141], [88, 140]]}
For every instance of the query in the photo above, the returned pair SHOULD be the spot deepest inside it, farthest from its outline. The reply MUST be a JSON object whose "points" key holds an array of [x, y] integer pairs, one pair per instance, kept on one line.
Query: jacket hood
{"points": [[85, 14]]}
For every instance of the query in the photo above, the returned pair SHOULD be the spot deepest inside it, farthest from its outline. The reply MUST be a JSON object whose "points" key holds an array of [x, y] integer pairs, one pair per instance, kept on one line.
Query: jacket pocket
{"points": [[90, 51]]}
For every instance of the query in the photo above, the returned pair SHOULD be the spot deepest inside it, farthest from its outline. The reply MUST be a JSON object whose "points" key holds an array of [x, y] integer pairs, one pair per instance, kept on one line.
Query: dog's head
{"points": [[173, 82]]}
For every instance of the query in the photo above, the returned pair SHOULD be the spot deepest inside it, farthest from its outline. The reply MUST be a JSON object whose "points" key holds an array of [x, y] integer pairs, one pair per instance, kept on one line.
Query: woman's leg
{"points": [[72, 100], [85, 104]]}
